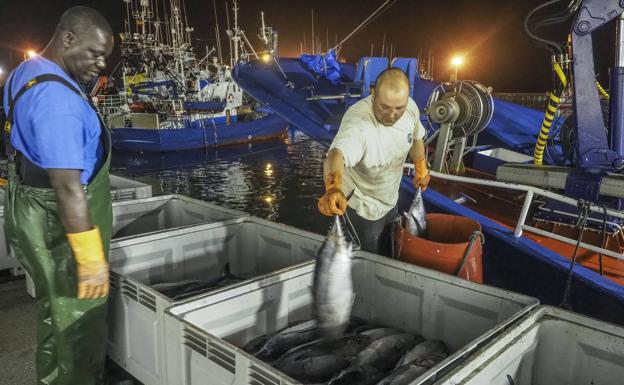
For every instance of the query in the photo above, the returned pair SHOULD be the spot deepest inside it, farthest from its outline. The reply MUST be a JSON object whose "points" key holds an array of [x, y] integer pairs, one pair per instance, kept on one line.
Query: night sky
{"points": [[488, 32]]}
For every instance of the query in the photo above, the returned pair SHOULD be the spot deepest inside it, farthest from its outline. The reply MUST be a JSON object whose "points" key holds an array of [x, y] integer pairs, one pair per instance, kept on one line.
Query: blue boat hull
{"points": [[516, 264], [163, 140]]}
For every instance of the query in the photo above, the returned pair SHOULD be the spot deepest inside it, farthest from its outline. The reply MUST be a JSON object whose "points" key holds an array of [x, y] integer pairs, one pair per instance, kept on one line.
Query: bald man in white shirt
{"points": [[366, 158]]}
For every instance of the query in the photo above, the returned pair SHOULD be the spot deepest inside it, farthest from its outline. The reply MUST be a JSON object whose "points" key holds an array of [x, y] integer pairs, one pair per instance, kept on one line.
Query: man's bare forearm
{"points": [[417, 151], [334, 162], [72, 203]]}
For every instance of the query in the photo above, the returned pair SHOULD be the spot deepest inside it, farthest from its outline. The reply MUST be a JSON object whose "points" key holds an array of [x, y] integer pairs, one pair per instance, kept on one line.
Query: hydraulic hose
{"points": [[603, 93], [549, 115]]}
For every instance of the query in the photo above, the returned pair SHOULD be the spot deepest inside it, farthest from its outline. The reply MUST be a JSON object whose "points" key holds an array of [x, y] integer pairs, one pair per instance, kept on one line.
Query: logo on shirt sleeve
{"points": [[410, 138]]}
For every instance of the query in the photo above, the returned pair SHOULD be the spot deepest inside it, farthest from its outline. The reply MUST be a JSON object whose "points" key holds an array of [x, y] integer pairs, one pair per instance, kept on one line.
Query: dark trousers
{"points": [[374, 236]]}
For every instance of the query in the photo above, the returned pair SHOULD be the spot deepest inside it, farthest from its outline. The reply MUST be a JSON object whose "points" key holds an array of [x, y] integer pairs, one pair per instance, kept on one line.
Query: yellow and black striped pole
{"points": [[549, 116]]}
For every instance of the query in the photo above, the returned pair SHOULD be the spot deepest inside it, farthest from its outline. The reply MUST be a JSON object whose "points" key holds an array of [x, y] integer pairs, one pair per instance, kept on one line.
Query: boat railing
{"points": [[531, 193], [111, 104], [538, 101]]}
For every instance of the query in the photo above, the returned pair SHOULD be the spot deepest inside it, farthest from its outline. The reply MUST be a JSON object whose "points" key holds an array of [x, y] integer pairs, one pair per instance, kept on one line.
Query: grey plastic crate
{"points": [[203, 336], [140, 217], [551, 346], [124, 189], [7, 261], [146, 219], [254, 248], [121, 189]]}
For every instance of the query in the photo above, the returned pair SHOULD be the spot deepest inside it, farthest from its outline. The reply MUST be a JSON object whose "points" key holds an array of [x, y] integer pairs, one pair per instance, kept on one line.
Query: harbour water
{"points": [[279, 180]]}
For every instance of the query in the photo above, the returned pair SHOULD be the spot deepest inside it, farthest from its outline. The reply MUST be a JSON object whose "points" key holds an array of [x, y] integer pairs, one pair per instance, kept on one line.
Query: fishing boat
{"points": [[548, 201], [170, 99]]}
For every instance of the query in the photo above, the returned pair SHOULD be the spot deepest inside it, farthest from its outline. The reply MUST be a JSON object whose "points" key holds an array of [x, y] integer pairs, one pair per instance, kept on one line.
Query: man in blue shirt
{"points": [[58, 212]]}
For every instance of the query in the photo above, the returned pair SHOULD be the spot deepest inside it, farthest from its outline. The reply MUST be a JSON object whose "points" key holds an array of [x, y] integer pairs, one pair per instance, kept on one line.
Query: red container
{"points": [[448, 237]]}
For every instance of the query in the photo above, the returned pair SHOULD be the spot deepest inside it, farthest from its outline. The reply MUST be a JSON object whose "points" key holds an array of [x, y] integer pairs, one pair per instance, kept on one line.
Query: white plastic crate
{"points": [[7, 261], [254, 248], [550, 346], [147, 217], [121, 189], [139, 217], [203, 336], [124, 189]]}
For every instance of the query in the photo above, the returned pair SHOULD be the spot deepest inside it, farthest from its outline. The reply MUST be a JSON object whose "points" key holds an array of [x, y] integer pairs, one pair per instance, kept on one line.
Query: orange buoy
{"points": [[453, 246]]}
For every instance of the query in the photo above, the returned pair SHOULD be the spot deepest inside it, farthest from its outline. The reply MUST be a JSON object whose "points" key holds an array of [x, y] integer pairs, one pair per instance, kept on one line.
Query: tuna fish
{"points": [[370, 365], [253, 346], [361, 328], [356, 325], [188, 288], [287, 339], [319, 361], [408, 373], [430, 349], [416, 217], [378, 333], [333, 286]]}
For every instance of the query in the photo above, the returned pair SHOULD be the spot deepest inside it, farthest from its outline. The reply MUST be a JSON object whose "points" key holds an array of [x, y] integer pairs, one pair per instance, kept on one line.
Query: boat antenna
{"points": [[378, 12]]}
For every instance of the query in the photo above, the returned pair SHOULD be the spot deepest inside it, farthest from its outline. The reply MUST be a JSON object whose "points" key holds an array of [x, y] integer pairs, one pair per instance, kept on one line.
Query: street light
{"points": [[31, 53], [456, 61], [265, 57]]}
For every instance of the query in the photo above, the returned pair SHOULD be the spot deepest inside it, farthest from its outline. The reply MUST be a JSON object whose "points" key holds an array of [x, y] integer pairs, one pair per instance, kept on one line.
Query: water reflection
{"points": [[276, 180]]}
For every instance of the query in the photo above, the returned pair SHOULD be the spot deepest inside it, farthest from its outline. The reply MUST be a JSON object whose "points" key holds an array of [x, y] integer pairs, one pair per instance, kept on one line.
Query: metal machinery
{"points": [[462, 110], [597, 153]]}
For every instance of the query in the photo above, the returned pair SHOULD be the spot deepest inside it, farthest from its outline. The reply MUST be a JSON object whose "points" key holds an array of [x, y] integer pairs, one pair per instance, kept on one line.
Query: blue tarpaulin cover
{"points": [[326, 65]]}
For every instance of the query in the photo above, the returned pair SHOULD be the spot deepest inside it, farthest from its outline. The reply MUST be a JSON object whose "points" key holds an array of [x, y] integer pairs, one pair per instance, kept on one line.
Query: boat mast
{"points": [[214, 4], [313, 37], [227, 17], [236, 36]]}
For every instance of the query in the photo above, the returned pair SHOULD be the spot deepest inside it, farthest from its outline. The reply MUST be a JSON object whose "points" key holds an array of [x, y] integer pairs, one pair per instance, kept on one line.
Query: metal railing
{"points": [[531, 192], [539, 101], [110, 104]]}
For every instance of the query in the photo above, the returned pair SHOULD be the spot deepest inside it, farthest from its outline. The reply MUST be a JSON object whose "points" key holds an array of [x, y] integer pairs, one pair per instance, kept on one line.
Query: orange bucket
{"points": [[448, 238]]}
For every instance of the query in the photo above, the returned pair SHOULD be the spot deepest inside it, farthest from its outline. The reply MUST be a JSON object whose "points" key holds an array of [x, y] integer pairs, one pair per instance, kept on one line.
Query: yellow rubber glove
{"points": [[421, 179], [333, 202], [3, 182], [91, 266]]}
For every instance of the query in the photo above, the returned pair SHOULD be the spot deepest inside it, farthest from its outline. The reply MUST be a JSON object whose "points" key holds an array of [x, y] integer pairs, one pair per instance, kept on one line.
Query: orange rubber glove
{"points": [[91, 266], [421, 179], [333, 202]]}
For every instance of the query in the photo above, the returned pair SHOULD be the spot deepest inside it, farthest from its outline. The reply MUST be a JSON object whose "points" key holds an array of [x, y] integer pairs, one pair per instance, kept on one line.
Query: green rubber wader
{"points": [[71, 332]]}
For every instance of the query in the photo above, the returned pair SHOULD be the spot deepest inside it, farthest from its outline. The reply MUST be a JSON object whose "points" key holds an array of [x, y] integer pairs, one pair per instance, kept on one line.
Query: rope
{"points": [[397, 255], [366, 21], [214, 130], [355, 239], [275, 59], [604, 236], [473, 238], [583, 207]]}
